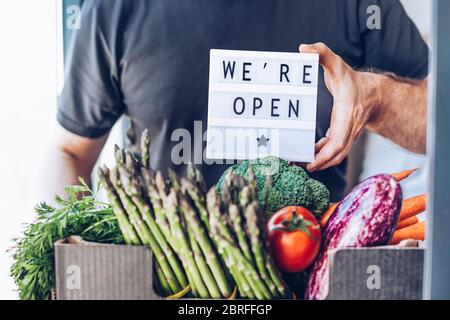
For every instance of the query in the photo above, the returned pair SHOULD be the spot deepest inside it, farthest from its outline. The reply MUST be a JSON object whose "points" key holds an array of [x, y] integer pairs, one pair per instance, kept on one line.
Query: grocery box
{"points": [[92, 271], [381, 273]]}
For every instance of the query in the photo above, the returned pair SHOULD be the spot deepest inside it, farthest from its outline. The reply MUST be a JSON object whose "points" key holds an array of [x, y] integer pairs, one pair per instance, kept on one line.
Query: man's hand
{"points": [[354, 95]]}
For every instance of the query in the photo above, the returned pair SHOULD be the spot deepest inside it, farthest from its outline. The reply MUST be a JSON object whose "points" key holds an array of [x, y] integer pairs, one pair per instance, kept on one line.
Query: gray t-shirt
{"points": [[149, 59]]}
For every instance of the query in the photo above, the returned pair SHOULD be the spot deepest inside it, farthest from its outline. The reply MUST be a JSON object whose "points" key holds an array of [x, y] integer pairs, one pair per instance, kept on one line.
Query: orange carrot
{"points": [[415, 232], [407, 222], [327, 214], [412, 207], [399, 176]]}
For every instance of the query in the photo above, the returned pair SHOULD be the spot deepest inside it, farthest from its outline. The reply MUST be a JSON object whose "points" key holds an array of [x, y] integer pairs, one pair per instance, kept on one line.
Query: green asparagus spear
{"points": [[239, 182], [132, 188], [241, 282], [246, 276], [253, 231], [202, 266], [175, 179], [252, 183], [207, 248], [161, 186], [274, 273], [198, 198], [213, 206], [268, 190], [158, 209], [126, 228], [164, 285], [119, 155], [230, 195], [195, 252], [276, 277], [219, 227], [196, 176], [255, 282], [185, 251], [191, 174], [250, 196], [145, 149], [237, 223], [131, 166], [227, 199], [245, 198], [234, 183], [226, 191], [143, 231]]}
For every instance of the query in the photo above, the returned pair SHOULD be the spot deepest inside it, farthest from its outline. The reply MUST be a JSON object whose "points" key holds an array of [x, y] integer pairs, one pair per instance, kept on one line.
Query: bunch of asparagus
{"points": [[209, 243], [237, 226]]}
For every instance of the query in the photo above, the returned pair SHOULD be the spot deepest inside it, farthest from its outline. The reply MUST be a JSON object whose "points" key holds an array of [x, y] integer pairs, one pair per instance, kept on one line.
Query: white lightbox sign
{"points": [[262, 103]]}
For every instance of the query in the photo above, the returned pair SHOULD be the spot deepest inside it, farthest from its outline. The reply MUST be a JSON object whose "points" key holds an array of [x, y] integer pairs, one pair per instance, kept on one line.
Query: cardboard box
{"points": [[92, 271], [383, 273]]}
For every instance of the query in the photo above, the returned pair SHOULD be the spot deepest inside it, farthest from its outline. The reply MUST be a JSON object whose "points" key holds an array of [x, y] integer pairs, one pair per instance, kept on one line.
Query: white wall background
{"points": [[28, 82], [420, 13], [27, 107]]}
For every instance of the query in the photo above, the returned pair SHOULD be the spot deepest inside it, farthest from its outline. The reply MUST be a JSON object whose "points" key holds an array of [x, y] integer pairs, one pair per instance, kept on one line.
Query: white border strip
{"points": [[261, 123], [262, 88], [264, 54]]}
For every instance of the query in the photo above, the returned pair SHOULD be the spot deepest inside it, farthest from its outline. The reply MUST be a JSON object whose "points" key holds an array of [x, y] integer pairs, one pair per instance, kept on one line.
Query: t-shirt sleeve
{"points": [[91, 100], [394, 43]]}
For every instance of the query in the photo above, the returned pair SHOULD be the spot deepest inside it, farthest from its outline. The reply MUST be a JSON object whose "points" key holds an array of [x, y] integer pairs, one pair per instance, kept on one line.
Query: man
{"points": [[149, 59]]}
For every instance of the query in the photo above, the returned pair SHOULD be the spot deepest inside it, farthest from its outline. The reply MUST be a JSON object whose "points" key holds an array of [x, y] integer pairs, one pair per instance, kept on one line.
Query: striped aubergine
{"points": [[366, 217]]}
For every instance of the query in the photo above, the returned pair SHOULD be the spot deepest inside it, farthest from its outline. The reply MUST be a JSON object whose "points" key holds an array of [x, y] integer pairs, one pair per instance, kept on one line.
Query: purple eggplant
{"points": [[366, 217]]}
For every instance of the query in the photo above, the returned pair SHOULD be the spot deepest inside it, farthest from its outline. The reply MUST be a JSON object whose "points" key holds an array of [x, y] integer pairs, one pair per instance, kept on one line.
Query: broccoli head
{"points": [[291, 185]]}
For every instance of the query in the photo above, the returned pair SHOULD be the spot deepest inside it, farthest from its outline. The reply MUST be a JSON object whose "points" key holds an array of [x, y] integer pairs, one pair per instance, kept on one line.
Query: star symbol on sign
{"points": [[262, 141]]}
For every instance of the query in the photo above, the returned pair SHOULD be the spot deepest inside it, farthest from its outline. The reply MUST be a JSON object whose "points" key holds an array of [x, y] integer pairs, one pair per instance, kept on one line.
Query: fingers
{"points": [[333, 150], [331, 155], [319, 145], [327, 58]]}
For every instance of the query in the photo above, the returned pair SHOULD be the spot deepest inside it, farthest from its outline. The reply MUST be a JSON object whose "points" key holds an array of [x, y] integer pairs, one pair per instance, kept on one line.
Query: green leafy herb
{"points": [[33, 267]]}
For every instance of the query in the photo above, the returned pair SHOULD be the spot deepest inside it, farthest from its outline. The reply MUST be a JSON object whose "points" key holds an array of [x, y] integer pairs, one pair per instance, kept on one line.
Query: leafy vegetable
{"points": [[290, 186], [33, 267]]}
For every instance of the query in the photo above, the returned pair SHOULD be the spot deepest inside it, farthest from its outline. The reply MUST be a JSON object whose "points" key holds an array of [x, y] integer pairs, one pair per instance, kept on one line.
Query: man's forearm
{"points": [[401, 112], [64, 159]]}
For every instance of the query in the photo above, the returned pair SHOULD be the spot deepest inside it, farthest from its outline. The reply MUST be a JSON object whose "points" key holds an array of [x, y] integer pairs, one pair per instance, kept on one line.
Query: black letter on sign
{"points": [[293, 108], [245, 71], [229, 68], [274, 107], [243, 106], [284, 69], [306, 74], [256, 106]]}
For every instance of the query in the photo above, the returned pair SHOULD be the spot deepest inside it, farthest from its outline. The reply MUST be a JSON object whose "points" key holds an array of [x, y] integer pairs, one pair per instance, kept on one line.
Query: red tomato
{"points": [[294, 236]]}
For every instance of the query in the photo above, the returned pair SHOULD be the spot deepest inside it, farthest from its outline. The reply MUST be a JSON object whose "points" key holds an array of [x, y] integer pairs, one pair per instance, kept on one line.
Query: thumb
{"points": [[327, 58]]}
